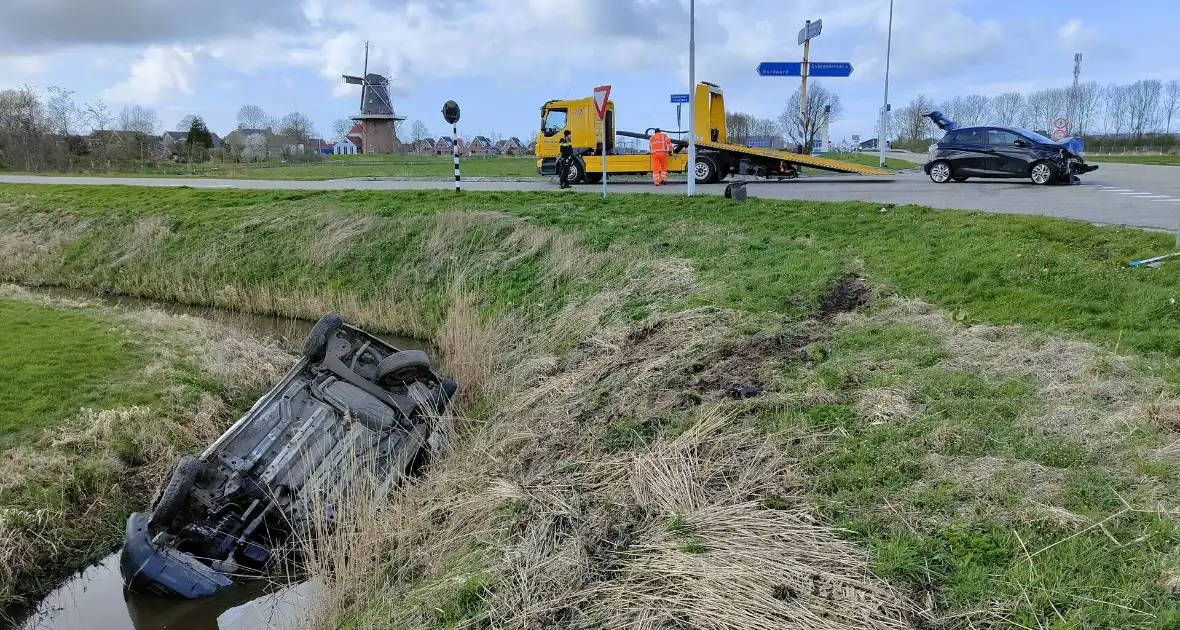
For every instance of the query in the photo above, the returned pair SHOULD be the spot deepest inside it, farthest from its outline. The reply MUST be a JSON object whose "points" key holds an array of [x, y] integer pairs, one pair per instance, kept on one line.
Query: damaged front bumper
{"points": [[152, 569]]}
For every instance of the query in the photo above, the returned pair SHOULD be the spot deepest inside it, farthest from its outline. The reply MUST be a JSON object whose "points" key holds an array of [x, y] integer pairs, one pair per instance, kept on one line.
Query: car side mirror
{"points": [[1022, 143]]}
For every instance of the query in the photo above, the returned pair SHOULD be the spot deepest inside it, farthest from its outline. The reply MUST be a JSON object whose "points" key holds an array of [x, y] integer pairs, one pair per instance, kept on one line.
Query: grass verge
{"points": [[871, 159], [982, 406], [364, 166], [1156, 160], [96, 404]]}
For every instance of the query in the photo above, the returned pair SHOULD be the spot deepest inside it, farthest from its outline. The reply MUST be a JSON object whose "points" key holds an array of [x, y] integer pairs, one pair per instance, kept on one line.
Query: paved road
{"points": [[1122, 194]]}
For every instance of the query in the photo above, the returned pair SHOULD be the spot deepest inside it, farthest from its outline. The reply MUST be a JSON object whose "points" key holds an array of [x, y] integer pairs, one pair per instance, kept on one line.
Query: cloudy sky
{"points": [[500, 59]]}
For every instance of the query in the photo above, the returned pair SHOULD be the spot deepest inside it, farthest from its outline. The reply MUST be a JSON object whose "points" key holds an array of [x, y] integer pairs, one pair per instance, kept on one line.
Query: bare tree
{"points": [[1143, 99], [737, 127], [822, 107], [1007, 108], [1169, 103], [419, 131], [187, 121], [254, 117], [1040, 109], [974, 110], [911, 121], [765, 128], [23, 124], [139, 119], [64, 115], [297, 126], [1086, 101], [100, 115], [341, 127]]}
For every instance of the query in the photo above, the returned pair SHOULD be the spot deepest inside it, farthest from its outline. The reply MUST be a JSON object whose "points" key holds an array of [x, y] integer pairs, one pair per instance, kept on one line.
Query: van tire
{"points": [[403, 367], [317, 339], [172, 496]]}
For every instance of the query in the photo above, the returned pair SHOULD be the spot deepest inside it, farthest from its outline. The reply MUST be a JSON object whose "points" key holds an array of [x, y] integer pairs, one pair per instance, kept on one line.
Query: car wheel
{"points": [[705, 170], [317, 339], [960, 178], [1042, 173], [940, 172], [172, 496], [403, 367]]}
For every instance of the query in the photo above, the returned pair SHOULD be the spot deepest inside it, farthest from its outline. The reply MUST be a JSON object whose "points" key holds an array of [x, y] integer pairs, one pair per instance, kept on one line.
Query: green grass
{"points": [[929, 527], [870, 158], [53, 363], [1041, 272], [334, 167], [1157, 160]]}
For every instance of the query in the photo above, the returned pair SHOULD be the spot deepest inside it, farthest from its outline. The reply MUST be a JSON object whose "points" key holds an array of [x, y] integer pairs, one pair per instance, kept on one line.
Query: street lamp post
{"points": [[881, 137], [692, 97]]}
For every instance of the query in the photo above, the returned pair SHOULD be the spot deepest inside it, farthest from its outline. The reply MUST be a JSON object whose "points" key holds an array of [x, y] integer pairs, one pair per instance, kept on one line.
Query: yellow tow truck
{"points": [[716, 159]]}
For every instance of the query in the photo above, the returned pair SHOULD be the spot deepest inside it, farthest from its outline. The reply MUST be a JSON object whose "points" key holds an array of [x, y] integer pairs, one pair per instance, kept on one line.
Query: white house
{"points": [[344, 147]]}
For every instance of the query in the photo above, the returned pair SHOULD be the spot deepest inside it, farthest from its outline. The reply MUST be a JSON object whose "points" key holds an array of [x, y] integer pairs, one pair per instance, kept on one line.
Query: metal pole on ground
{"points": [[455, 144], [884, 135], [803, 149], [691, 167]]}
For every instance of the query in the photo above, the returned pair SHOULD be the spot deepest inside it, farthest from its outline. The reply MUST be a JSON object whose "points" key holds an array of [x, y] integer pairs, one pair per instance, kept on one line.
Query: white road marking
{"points": [[1133, 193], [1155, 197]]}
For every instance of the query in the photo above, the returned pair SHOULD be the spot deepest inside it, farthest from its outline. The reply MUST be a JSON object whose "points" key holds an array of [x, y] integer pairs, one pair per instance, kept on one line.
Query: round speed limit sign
{"points": [[1060, 123], [1058, 134]]}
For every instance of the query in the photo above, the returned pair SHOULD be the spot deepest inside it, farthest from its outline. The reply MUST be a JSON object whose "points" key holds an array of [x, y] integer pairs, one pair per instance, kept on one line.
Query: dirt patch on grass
{"points": [[749, 362], [849, 293]]}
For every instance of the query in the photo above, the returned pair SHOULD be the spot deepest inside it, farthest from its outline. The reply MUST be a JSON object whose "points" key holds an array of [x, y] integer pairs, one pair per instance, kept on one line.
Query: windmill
{"points": [[377, 120]]}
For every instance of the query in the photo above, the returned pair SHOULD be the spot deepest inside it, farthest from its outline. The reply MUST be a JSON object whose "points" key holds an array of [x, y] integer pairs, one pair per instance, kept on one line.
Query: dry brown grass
{"points": [[35, 243], [529, 523], [338, 234]]}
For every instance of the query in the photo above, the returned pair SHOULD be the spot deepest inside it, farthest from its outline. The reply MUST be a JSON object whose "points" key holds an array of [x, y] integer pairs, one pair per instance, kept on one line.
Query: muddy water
{"points": [[96, 600], [289, 331]]}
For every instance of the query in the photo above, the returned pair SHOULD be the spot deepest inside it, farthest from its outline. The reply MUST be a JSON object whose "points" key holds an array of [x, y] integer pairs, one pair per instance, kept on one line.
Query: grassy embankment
{"points": [[95, 403], [984, 403], [334, 167], [871, 159], [1156, 160]]}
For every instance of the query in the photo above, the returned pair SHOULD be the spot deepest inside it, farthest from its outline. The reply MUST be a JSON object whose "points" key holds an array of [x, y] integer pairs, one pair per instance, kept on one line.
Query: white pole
{"points": [[692, 97], [603, 121], [884, 134]]}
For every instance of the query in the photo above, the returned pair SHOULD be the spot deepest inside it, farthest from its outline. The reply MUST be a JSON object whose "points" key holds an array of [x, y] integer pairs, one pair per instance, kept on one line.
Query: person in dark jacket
{"points": [[565, 159]]}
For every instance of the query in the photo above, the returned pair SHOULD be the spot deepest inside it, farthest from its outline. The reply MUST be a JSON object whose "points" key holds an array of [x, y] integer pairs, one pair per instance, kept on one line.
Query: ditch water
{"points": [[95, 598]]}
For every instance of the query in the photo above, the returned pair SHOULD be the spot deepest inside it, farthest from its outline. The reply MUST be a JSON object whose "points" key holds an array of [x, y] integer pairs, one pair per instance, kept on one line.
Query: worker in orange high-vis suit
{"points": [[659, 145]]}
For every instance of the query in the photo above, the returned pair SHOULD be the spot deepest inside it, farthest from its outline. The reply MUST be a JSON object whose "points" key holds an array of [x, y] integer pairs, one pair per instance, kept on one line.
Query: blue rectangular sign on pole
{"points": [[829, 69], [811, 31], [679, 98], [795, 69], [780, 69]]}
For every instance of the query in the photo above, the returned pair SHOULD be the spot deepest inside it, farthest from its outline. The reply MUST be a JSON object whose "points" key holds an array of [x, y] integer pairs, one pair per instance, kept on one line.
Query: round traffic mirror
{"points": [[450, 112]]}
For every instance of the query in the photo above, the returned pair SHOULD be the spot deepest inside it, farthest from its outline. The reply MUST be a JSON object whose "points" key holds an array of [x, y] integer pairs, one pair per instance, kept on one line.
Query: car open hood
{"points": [[944, 123], [1071, 144]]}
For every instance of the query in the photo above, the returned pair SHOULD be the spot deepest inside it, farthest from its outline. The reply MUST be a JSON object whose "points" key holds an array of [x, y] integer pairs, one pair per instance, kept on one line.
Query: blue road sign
{"points": [[679, 98], [780, 69], [829, 69], [810, 31]]}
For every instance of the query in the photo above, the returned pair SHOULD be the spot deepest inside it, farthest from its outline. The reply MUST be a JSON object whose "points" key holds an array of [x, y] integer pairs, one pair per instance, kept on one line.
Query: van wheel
{"points": [[705, 170], [403, 367], [168, 501], [940, 172], [1042, 173], [317, 339]]}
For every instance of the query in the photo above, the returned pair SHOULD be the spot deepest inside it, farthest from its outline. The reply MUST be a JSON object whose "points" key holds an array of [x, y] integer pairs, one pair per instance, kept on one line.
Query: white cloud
{"points": [[15, 69], [1075, 36], [162, 70]]}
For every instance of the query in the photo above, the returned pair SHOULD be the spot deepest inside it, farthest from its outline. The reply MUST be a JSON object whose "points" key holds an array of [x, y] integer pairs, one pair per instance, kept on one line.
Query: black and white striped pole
{"points": [[450, 113]]}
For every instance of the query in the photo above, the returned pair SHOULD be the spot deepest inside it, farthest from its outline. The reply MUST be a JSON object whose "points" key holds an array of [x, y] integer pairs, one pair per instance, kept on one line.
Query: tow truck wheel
{"points": [[577, 171], [705, 170]]}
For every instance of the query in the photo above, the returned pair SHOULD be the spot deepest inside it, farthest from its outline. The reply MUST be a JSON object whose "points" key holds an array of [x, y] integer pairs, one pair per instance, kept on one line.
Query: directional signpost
{"points": [[810, 31], [601, 96], [679, 99]]}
